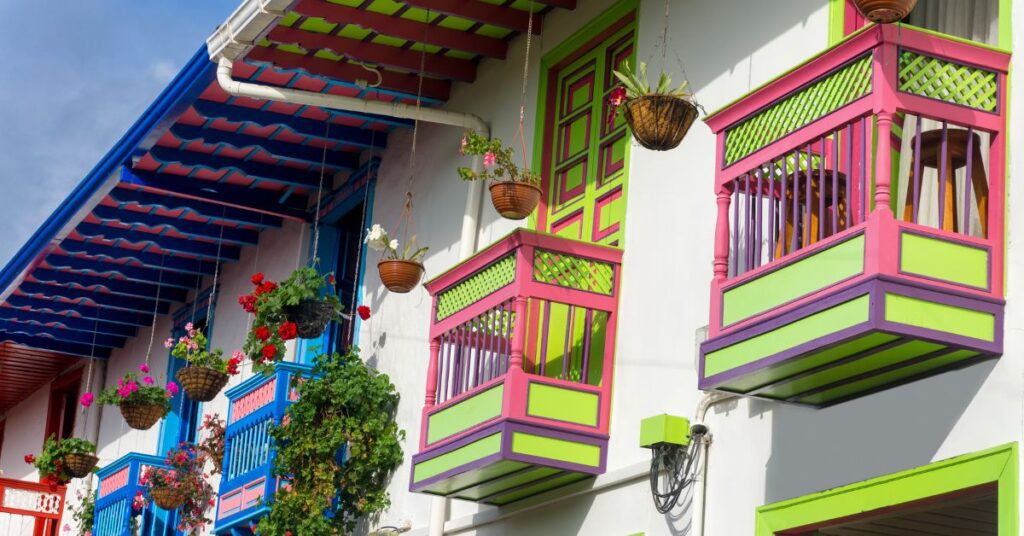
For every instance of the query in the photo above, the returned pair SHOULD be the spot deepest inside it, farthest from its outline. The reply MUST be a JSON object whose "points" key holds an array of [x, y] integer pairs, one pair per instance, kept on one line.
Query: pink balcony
{"points": [[522, 342], [859, 241]]}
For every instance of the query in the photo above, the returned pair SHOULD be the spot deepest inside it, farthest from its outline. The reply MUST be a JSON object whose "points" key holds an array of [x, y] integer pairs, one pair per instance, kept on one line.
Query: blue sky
{"points": [[74, 76]]}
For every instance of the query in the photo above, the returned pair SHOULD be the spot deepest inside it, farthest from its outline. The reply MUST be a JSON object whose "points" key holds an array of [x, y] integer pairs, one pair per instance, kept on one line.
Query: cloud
{"points": [[162, 71]]}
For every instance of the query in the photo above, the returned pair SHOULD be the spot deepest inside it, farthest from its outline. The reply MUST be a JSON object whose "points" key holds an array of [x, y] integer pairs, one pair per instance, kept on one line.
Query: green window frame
{"points": [[996, 466]]}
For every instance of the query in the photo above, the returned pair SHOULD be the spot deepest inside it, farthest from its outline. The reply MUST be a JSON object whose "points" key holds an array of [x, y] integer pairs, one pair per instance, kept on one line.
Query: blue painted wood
{"points": [[142, 274], [272, 204], [86, 311], [210, 230], [115, 301], [196, 206], [69, 348], [253, 170], [299, 125], [114, 286], [248, 448], [113, 510], [87, 325], [178, 245], [67, 335], [154, 260], [336, 160]]}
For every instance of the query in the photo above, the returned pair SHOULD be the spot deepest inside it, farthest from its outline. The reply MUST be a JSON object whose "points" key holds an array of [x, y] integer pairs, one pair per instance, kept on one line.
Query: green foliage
{"points": [[50, 461], [379, 240], [498, 164], [264, 344], [83, 512], [184, 474], [344, 405], [636, 83], [133, 392]]}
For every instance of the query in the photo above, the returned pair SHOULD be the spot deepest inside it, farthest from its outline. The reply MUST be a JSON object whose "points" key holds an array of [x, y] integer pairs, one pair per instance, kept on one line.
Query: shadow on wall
{"points": [[897, 429]]}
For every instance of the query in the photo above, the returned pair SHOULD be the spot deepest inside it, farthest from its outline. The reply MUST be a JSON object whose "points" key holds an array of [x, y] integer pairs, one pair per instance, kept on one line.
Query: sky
{"points": [[74, 76]]}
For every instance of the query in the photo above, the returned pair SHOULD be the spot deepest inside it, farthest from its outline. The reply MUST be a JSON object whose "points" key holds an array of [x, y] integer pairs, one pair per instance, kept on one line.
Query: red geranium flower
{"points": [[288, 331], [330, 278], [269, 351], [262, 333], [30, 458], [248, 302], [257, 278], [364, 312], [268, 286]]}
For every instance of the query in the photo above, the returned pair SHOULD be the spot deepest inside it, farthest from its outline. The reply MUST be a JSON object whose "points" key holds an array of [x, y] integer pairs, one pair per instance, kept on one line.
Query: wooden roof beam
{"points": [[495, 15]]}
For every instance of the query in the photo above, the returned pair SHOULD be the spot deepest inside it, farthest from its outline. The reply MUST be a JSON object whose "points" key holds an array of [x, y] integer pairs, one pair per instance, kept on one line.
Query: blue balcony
{"points": [[119, 482]]}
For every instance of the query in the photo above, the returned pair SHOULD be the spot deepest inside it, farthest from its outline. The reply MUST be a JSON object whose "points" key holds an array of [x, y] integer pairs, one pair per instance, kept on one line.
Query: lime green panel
{"points": [[796, 366], [547, 485], [948, 81], [473, 477], [460, 456], [940, 317], [466, 414], [566, 329], [497, 486], [556, 449], [794, 280], [884, 358], [997, 465], [487, 280], [960, 264], [806, 329], [668, 429], [559, 403], [886, 378]]}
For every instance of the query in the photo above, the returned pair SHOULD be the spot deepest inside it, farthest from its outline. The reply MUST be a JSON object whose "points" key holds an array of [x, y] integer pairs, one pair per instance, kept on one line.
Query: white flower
{"points": [[393, 245], [376, 237]]}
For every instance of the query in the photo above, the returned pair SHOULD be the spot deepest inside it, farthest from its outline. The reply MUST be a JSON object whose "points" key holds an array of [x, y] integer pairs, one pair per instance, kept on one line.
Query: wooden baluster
{"points": [[435, 349], [721, 264], [883, 168], [518, 333]]}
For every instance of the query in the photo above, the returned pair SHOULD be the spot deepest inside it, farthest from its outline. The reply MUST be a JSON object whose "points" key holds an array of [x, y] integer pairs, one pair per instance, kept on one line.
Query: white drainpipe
{"points": [[700, 493], [474, 197]]}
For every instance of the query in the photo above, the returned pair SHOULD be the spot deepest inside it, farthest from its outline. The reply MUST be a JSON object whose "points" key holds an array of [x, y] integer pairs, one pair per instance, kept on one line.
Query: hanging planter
{"points": [[80, 464], [301, 306], [515, 200], [208, 373], [660, 118], [401, 268], [142, 402], [182, 485], [166, 498], [515, 193], [885, 11], [64, 459]]}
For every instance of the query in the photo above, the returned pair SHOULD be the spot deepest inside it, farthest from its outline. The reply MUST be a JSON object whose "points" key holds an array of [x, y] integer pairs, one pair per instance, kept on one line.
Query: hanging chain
{"points": [[319, 194], [216, 268], [156, 306], [522, 94]]}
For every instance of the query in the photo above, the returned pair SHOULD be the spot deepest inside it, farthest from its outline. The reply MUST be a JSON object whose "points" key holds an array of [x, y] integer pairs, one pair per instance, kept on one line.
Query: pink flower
{"points": [[148, 380], [462, 147], [237, 355], [169, 343], [144, 368], [189, 327], [86, 399], [172, 388], [489, 159]]}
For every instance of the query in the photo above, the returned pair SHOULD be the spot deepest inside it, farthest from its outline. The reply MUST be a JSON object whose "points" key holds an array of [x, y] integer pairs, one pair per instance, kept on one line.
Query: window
{"points": [[60, 419]]}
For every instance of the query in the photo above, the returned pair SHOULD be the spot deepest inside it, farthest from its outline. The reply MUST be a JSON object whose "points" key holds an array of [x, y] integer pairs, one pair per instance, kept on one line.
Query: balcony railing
{"points": [[30, 509], [521, 358], [874, 170], [247, 480], [119, 483]]}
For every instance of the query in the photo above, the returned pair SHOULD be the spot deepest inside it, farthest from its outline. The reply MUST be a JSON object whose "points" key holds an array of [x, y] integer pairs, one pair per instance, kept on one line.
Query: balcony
{"points": [[522, 342], [247, 481], [859, 238], [119, 482], [29, 508]]}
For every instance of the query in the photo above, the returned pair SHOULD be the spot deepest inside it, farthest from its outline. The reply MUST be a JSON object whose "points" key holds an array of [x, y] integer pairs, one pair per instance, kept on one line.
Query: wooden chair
{"points": [[956, 158], [809, 227]]}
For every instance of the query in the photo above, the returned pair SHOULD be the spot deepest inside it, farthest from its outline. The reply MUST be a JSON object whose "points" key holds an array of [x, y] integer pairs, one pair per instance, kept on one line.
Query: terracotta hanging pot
{"points": [[166, 498], [201, 383], [80, 464], [885, 11], [142, 416], [515, 200], [400, 276], [659, 122], [310, 316]]}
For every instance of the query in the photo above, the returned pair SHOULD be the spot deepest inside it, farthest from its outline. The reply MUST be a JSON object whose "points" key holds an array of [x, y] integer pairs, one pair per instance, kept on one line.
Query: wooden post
{"points": [[721, 265], [435, 349], [518, 333], [883, 162]]}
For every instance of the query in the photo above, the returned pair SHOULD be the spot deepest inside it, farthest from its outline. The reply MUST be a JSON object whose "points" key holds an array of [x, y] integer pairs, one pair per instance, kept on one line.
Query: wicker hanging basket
{"points": [[310, 316], [142, 416], [885, 11], [659, 122], [80, 464], [400, 276], [166, 498], [513, 199], [201, 383]]}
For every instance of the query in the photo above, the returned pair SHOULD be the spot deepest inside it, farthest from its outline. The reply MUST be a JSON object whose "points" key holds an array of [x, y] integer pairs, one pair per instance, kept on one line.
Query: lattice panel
{"points": [[495, 276], [573, 272], [948, 81], [32, 501], [821, 98], [254, 400]]}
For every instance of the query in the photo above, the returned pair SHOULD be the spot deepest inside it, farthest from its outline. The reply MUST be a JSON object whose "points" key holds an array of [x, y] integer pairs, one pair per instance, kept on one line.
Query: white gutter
{"points": [[700, 493]]}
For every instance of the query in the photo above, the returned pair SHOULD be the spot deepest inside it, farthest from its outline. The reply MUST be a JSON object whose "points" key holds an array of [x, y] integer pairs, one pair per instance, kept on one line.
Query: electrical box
{"points": [[664, 429]]}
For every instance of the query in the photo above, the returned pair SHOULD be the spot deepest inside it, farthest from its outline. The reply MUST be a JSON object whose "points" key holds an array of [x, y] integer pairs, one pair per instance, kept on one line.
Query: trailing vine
{"points": [[338, 447]]}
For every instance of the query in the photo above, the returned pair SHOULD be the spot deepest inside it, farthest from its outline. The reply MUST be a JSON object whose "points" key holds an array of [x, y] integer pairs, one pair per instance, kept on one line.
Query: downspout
{"points": [[700, 493], [474, 197]]}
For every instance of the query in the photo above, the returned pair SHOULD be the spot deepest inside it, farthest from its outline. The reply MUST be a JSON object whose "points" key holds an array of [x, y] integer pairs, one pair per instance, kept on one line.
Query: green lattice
{"points": [[496, 275], [821, 98], [948, 81], [573, 272]]}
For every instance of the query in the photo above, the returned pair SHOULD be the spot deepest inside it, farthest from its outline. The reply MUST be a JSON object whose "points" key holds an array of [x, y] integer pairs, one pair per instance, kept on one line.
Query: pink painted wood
{"points": [[256, 399], [114, 482]]}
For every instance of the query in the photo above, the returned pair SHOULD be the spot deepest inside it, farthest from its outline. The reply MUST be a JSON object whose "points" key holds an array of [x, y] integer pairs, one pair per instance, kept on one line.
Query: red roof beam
{"points": [[374, 53], [500, 16], [411, 30]]}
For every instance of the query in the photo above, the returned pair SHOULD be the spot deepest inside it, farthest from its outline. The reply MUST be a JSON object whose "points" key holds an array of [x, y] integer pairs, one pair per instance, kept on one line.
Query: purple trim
{"points": [[747, 253], [862, 180], [917, 170], [821, 189], [986, 247], [806, 234], [943, 177], [758, 219], [772, 209], [968, 179], [587, 333], [835, 181], [735, 264], [849, 174]]}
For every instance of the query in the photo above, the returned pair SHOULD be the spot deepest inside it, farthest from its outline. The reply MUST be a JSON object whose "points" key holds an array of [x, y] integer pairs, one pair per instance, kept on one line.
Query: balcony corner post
{"points": [[435, 349], [883, 163], [721, 264], [518, 334]]}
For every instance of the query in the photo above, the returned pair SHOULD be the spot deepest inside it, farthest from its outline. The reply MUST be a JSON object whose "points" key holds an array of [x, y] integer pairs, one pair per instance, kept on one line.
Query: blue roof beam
{"points": [[87, 325], [335, 160], [209, 230], [299, 125], [86, 311], [142, 274], [253, 170], [69, 348], [206, 209], [152, 290], [102, 299], [206, 250], [81, 337], [227, 197], [162, 261]]}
